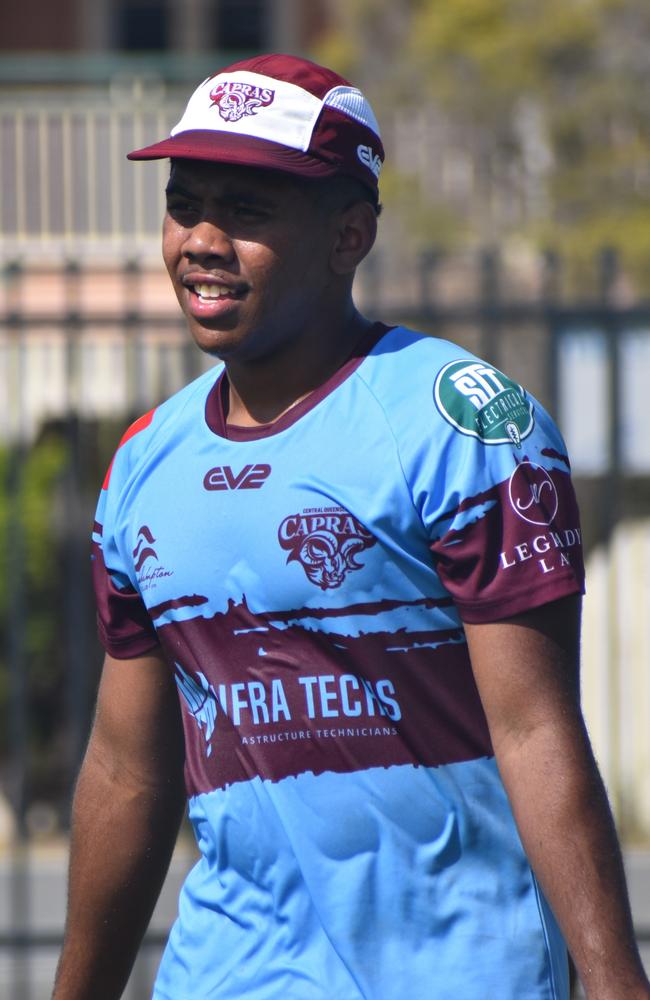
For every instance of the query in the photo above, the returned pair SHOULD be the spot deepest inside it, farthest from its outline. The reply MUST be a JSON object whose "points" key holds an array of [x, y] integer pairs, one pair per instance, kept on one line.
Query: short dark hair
{"points": [[340, 191]]}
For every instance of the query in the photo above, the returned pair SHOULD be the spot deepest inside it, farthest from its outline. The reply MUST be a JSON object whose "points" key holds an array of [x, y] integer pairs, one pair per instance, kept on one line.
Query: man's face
{"points": [[248, 254]]}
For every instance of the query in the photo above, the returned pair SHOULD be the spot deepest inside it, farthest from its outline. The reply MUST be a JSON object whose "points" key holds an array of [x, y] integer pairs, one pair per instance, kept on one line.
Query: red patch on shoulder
{"points": [[135, 428]]}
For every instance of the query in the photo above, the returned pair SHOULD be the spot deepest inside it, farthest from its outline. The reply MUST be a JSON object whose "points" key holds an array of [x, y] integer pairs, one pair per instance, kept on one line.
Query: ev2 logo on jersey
{"points": [[223, 477]]}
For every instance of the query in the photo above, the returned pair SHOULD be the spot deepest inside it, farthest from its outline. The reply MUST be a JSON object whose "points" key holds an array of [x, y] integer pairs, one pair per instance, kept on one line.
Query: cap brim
{"points": [[240, 150]]}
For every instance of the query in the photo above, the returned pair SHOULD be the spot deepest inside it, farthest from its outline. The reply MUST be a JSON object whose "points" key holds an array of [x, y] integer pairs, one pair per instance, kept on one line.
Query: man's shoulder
{"points": [[435, 390], [414, 353], [181, 409], [402, 368], [407, 342]]}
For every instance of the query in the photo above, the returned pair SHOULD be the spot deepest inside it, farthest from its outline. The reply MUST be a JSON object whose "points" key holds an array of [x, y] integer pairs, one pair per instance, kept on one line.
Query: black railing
{"points": [[53, 458]]}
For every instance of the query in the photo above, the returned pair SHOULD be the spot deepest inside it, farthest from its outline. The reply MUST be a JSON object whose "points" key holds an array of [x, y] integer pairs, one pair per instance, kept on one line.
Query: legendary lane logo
{"points": [[482, 402], [532, 494], [551, 549], [326, 543]]}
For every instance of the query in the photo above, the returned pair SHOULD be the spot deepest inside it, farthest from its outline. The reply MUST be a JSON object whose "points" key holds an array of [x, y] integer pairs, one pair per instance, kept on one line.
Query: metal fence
{"points": [[66, 182], [62, 163], [85, 347]]}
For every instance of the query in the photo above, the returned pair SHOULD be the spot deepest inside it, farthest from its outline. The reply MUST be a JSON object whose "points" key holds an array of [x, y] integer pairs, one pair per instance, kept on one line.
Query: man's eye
{"points": [[177, 208], [252, 212]]}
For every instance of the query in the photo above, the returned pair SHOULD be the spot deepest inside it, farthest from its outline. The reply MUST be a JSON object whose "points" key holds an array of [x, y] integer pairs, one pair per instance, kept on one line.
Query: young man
{"points": [[338, 581]]}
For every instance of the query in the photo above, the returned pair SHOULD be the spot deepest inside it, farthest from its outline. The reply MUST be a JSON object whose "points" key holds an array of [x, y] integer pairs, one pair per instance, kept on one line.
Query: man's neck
{"points": [[260, 392]]}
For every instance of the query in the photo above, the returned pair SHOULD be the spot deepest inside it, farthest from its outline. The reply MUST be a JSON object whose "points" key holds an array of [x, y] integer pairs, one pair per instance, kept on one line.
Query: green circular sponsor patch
{"points": [[482, 402]]}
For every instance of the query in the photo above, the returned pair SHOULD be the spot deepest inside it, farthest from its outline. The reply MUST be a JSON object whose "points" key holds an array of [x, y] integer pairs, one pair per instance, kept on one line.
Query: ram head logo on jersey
{"points": [[235, 100], [326, 544]]}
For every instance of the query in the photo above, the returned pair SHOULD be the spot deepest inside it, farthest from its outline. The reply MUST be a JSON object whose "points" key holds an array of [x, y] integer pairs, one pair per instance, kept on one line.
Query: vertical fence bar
{"points": [[66, 174], [91, 171], [428, 261], [138, 175], [132, 283], [607, 264], [43, 175], [115, 175], [76, 565], [550, 295], [608, 275], [18, 722], [4, 186], [20, 166], [489, 263]]}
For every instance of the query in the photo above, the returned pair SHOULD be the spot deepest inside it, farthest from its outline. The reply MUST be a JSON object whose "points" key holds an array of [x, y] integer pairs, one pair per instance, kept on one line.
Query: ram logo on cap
{"points": [[235, 99]]}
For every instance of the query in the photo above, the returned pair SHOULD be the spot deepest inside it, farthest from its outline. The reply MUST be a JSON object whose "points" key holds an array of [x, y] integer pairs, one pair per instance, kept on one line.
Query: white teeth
{"points": [[211, 291]]}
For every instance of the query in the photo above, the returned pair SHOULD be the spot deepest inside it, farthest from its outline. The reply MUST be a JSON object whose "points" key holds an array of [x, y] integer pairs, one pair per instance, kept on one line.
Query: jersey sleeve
{"points": [[496, 497], [123, 623]]}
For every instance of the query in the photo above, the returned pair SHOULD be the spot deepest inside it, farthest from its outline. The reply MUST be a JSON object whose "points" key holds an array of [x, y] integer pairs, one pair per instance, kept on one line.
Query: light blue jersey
{"points": [[308, 582]]}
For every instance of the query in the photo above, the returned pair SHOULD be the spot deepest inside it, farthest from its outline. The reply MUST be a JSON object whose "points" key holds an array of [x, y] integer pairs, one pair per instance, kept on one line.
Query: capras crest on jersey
{"points": [[326, 543], [235, 100]]}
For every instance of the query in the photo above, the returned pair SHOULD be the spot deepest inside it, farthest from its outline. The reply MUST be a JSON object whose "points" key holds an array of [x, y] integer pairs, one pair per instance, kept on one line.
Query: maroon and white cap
{"points": [[281, 113]]}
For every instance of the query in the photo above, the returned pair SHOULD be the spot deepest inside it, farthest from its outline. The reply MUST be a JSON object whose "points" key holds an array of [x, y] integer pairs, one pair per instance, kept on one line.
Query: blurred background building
{"points": [[516, 222]]}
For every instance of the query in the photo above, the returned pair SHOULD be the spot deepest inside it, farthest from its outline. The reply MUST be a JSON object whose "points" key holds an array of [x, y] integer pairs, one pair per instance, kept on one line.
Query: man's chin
{"points": [[246, 346], [218, 341]]}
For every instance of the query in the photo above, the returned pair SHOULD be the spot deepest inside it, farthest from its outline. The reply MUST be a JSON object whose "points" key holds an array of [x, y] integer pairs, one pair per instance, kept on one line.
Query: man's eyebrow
{"points": [[235, 195], [231, 197], [173, 187]]}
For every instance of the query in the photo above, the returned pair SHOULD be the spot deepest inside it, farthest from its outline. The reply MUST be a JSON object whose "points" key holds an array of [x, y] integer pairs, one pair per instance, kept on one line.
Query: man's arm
{"points": [[526, 669], [126, 813]]}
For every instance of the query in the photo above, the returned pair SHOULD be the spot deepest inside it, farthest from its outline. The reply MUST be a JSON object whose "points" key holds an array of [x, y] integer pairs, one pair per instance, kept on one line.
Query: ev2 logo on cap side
{"points": [[369, 158], [251, 477]]}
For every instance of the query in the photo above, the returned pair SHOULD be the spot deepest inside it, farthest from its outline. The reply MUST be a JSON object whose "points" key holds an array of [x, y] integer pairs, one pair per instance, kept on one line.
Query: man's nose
{"points": [[208, 239]]}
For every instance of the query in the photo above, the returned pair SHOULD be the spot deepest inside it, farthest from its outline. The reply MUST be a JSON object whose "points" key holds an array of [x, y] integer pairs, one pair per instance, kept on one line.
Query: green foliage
{"points": [[549, 101], [30, 557], [47, 496], [416, 218]]}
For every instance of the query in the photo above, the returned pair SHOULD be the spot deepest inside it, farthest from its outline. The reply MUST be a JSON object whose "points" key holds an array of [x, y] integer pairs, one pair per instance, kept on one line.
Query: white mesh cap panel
{"points": [[351, 102]]}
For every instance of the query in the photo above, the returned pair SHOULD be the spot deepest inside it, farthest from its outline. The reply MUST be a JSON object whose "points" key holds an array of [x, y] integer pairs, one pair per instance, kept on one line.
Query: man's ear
{"points": [[356, 230]]}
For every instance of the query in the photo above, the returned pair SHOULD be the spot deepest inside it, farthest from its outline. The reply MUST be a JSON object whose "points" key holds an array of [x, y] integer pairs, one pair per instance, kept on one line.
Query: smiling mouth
{"points": [[211, 292]]}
